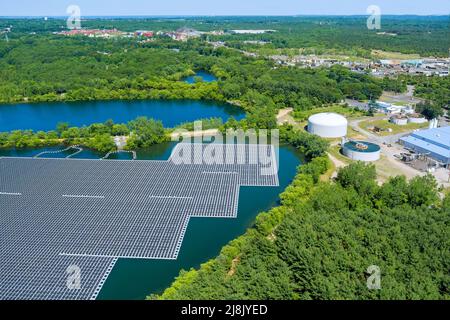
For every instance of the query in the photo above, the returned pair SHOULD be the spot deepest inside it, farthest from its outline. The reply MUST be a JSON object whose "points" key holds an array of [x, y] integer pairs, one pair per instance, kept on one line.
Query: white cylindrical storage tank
{"points": [[417, 119], [328, 125], [433, 124], [400, 121], [362, 151]]}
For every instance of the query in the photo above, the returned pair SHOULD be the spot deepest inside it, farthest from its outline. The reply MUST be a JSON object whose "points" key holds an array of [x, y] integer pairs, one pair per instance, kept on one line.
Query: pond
{"points": [[206, 77], [46, 116], [135, 279]]}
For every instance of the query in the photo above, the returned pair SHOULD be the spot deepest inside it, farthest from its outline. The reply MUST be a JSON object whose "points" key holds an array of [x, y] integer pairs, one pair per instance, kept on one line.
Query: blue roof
{"points": [[438, 136], [435, 141]]}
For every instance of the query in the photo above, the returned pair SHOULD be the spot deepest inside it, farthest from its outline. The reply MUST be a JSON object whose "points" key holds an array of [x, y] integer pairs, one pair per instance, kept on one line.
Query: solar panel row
{"points": [[56, 213]]}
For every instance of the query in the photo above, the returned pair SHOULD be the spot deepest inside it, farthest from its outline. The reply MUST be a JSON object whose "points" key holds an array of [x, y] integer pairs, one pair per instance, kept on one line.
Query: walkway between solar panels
{"points": [[76, 147], [133, 153], [57, 212]]}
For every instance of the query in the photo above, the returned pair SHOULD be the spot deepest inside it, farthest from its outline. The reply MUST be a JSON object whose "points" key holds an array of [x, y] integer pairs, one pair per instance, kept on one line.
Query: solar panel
{"points": [[61, 212]]}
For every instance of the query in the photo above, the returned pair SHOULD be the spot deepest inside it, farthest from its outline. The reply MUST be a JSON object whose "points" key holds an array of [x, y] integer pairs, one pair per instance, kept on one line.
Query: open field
{"points": [[285, 117], [401, 99], [389, 167], [396, 129], [345, 111], [386, 167], [335, 151], [380, 54]]}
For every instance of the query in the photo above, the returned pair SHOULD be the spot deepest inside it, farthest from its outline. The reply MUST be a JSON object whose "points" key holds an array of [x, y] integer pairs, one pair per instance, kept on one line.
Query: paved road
{"points": [[401, 98], [396, 149], [391, 139]]}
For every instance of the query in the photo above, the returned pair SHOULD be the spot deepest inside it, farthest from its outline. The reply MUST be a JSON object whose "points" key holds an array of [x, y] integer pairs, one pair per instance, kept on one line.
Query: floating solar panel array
{"points": [[59, 213]]}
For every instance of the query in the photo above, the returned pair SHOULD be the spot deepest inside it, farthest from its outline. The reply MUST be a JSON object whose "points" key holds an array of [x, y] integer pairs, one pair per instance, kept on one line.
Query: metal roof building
{"points": [[434, 142]]}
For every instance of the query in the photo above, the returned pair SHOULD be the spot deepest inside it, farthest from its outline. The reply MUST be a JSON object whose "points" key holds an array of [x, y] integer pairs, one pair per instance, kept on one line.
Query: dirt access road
{"points": [[388, 165]]}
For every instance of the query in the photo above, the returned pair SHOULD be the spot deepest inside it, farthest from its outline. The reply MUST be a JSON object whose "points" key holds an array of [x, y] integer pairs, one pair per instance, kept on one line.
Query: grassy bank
{"points": [[391, 128]]}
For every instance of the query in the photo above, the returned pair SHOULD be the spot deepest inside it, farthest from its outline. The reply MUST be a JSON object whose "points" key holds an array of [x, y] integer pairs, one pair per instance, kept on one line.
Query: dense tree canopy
{"points": [[321, 241], [427, 35], [145, 132], [58, 68], [142, 133]]}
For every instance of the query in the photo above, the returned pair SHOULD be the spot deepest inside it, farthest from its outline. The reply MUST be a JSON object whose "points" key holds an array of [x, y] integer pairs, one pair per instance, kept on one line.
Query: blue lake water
{"points": [[135, 279], [206, 77], [45, 116]]}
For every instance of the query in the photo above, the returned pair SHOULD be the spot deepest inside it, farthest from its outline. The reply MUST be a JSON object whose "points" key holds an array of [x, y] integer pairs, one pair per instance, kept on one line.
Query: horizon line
{"points": [[219, 15]]}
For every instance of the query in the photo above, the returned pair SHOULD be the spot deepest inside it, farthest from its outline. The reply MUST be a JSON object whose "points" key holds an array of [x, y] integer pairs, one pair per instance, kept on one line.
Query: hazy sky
{"points": [[222, 7]]}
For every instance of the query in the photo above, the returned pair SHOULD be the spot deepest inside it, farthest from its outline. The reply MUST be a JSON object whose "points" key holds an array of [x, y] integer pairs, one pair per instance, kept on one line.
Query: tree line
{"points": [[426, 35], [320, 242], [142, 133], [49, 68]]}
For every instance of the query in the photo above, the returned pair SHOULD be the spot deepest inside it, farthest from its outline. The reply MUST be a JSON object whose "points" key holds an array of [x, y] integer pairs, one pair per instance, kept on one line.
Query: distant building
{"points": [[144, 33], [94, 33], [256, 42], [399, 120], [427, 67], [184, 34], [393, 109], [417, 118], [432, 142], [361, 151], [252, 31]]}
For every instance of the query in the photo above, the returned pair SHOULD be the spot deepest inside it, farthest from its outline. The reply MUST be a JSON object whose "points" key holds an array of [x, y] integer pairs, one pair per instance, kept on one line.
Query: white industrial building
{"points": [[393, 109], [417, 118], [399, 120], [328, 125]]}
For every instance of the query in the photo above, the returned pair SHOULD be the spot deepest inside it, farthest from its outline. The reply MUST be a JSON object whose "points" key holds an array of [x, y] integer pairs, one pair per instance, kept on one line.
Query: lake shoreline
{"points": [[135, 279], [45, 116]]}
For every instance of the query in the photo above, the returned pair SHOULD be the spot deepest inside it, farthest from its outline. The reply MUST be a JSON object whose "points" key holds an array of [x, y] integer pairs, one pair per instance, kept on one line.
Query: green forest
{"points": [[45, 67], [329, 32], [143, 132], [320, 242], [325, 233], [435, 89], [74, 69]]}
